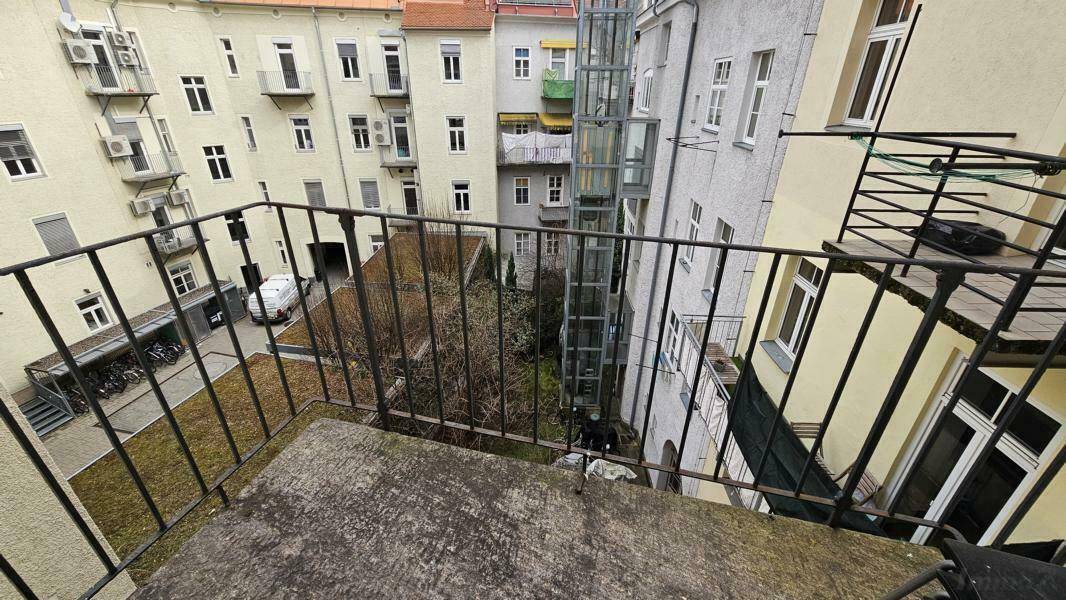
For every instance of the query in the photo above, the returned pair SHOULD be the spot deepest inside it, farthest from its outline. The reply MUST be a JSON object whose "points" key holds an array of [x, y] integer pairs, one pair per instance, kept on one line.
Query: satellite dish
{"points": [[69, 23]]}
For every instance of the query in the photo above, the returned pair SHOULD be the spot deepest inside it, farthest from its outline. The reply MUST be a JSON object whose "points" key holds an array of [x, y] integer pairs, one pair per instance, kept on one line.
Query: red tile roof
{"points": [[447, 14], [339, 4]]}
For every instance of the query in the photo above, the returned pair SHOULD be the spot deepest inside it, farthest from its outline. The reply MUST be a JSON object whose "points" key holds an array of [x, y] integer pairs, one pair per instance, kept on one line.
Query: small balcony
{"points": [[554, 212], [397, 212], [554, 87], [534, 149], [150, 168], [175, 242], [285, 83], [112, 82], [389, 85]]}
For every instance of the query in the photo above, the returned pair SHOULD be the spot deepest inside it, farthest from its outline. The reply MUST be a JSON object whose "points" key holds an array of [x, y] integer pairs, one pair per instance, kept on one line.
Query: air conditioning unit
{"points": [[141, 206], [117, 146], [126, 58], [382, 136], [178, 197], [119, 39], [79, 52]]}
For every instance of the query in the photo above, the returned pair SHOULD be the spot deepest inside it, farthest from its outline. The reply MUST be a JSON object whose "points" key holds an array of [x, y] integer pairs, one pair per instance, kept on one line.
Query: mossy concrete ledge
{"points": [[348, 511]]}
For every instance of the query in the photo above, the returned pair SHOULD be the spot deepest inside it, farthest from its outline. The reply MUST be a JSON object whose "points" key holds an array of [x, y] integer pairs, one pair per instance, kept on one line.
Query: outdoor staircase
{"points": [[43, 415]]}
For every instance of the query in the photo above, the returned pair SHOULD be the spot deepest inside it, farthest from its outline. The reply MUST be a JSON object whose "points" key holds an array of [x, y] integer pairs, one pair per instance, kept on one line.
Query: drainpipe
{"points": [[666, 196], [332, 111]]}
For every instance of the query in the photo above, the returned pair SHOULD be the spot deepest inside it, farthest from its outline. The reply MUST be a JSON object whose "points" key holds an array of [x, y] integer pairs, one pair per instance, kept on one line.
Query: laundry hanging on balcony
{"points": [[535, 147]]}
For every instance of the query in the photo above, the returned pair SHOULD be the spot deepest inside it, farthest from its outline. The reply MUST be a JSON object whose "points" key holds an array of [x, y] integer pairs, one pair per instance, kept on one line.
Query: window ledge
{"points": [[745, 146], [708, 129], [847, 128], [685, 264], [780, 358], [708, 294]]}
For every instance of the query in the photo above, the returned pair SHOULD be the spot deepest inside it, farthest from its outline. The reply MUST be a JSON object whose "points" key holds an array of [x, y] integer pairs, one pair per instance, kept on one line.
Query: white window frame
{"points": [[456, 59], [249, 132], [164, 133], [407, 129], [809, 290], [552, 244], [521, 66], [303, 138], [376, 244], [759, 89], [377, 192], [220, 158], [96, 311], [561, 188], [525, 187], [341, 60], [229, 56], [182, 277], [892, 35], [201, 93], [662, 46], [565, 71], [365, 131], [283, 253], [461, 196], [457, 136], [674, 337], [307, 197], [695, 216], [522, 243], [34, 158], [264, 190], [646, 83], [720, 73], [524, 126], [723, 233]]}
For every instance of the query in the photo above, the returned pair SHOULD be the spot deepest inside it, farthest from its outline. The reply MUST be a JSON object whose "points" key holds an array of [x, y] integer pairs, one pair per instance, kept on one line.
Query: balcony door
{"points": [[410, 197], [104, 67], [998, 485], [393, 73], [287, 63], [401, 138]]}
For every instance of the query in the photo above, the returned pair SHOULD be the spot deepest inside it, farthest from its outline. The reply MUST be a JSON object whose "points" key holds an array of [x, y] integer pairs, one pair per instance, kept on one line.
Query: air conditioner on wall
{"points": [[382, 136], [79, 52], [119, 39], [178, 197], [141, 206], [126, 58], [117, 146]]}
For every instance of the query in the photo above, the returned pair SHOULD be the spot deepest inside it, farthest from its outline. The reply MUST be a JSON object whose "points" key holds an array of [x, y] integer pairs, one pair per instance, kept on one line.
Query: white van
{"points": [[280, 297]]}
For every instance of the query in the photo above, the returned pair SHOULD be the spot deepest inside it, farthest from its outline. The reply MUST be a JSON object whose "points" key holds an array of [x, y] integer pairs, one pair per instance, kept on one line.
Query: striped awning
{"points": [[558, 44], [518, 117], [556, 119]]}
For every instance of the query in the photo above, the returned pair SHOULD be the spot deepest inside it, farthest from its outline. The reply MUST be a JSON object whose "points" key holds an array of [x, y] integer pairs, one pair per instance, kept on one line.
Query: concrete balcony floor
{"points": [[348, 511]]}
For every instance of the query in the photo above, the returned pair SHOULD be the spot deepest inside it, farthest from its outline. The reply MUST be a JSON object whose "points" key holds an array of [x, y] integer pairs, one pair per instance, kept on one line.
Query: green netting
{"points": [[556, 88], [922, 169]]}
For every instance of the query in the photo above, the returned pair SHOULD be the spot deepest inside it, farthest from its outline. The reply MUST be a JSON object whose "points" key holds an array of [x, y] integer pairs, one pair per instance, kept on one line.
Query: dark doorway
{"points": [[253, 278], [335, 260]]}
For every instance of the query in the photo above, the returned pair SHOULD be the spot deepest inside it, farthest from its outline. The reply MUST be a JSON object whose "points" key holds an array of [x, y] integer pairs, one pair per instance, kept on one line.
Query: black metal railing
{"points": [[380, 361]]}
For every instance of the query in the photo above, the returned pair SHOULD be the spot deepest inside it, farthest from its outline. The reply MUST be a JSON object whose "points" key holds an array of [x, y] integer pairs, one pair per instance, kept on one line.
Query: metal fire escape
{"points": [[601, 120]]}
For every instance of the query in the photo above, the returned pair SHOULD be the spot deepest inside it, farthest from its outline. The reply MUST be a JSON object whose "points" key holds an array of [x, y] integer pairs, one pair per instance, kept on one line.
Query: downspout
{"points": [[666, 197], [332, 111]]}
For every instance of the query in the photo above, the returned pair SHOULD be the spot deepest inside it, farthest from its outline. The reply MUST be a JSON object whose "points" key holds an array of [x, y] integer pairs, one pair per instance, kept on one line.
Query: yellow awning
{"points": [[518, 117], [556, 119], [558, 44]]}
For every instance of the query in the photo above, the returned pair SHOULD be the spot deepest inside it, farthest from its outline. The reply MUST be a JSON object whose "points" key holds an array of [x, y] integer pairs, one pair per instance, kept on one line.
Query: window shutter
{"points": [[56, 234], [128, 129], [14, 145], [316, 195], [369, 189], [346, 49], [449, 49]]}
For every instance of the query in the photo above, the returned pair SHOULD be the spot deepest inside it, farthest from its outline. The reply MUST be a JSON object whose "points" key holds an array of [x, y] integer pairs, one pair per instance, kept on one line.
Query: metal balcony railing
{"points": [[285, 83], [175, 240], [392, 353], [146, 168], [554, 87], [109, 80], [533, 149], [389, 85]]}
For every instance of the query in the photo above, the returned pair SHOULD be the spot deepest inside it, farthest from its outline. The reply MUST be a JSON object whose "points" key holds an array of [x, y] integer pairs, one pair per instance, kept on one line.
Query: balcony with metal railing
{"points": [[285, 83], [430, 342], [534, 148], [389, 85], [175, 242], [149, 168], [113, 81], [555, 87]]}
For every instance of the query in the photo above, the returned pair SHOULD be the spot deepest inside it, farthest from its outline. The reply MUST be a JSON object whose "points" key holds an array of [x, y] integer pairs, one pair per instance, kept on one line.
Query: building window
{"points": [[521, 243], [230, 57], [92, 309], [253, 277], [881, 46], [461, 196], [456, 135], [360, 132], [183, 278], [237, 228], [196, 94], [56, 233], [555, 189], [765, 62], [716, 100], [695, 215], [663, 51], [368, 188], [551, 244], [249, 133], [301, 131], [723, 232], [645, 91], [283, 253], [376, 242], [217, 163], [316, 194], [450, 53], [16, 152], [521, 191], [673, 341], [164, 132], [401, 142], [348, 54], [798, 310], [264, 193], [521, 128], [521, 63], [557, 61]]}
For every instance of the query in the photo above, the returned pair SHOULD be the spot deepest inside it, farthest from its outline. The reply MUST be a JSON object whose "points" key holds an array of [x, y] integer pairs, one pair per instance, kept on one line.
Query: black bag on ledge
{"points": [[960, 237]]}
